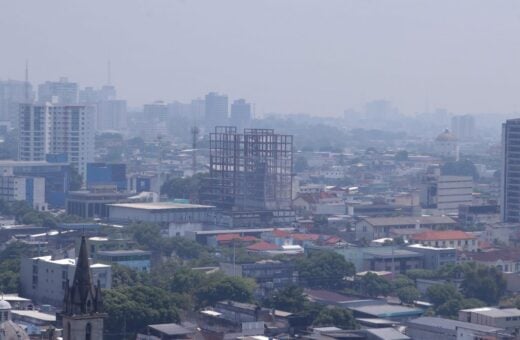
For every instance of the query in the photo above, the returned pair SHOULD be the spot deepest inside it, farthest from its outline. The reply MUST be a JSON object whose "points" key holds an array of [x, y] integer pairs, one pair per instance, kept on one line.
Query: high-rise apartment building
{"points": [[216, 109], [57, 129], [241, 113], [58, 92], [510, 182], [463, 127]]}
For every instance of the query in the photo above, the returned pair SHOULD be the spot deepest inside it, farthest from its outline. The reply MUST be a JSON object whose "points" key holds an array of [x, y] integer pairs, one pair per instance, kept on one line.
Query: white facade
{"points": [[59, 92], [57, 129], [44, 280], [446, 193], [29, 189]]}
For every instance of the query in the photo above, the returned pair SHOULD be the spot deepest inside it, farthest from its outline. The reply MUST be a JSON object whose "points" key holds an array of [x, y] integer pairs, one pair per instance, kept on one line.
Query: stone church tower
{"points": [[82, 316]]}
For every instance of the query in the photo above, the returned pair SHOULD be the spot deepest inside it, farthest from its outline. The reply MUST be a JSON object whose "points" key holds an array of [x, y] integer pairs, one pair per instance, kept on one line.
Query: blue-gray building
{"points": [[101, 173]]}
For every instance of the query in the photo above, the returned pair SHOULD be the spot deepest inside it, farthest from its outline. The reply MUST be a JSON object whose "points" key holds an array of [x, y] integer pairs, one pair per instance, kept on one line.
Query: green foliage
{"points": [[335, 316], [219, 287], [290, 299], [484, 283], [374, 285], [124, 276], [402, 281], [131, 309], [75, 179], [415, 274], [324, 269], [148, 235], [189, 187], [408, 294], [10, 266], [450, 308], [441, 293], [460, 168]]}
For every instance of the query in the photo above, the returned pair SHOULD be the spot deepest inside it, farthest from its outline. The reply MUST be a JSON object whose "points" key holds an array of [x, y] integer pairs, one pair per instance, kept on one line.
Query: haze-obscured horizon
{"points": [[298, 56]]}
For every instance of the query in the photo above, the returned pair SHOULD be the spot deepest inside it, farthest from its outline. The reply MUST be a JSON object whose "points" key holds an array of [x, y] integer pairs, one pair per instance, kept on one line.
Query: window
{"points": [[88, 332]]}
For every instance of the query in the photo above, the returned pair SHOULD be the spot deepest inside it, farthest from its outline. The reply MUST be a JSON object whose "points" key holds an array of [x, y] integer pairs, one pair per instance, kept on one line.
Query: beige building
{"points": [[457, 239]]}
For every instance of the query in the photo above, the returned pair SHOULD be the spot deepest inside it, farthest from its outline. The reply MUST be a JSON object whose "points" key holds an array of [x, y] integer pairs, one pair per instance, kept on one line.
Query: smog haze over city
{"points": [[291, 56], [260, 169]]}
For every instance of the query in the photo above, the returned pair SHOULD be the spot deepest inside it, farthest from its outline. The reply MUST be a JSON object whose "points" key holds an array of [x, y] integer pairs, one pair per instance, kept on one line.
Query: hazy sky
{"points": [[313, 56]]}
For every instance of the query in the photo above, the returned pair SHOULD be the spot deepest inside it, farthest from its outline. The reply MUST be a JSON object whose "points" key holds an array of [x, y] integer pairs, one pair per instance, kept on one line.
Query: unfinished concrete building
{"points": [[250, 175]]}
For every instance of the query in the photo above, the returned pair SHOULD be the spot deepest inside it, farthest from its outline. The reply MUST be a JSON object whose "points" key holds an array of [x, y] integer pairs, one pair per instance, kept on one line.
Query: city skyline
{"points": [[311, 58]]}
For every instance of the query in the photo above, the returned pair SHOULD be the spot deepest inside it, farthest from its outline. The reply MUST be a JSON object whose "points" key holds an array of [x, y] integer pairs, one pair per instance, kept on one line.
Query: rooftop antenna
{"points": [[26, 84], [109, 73]]}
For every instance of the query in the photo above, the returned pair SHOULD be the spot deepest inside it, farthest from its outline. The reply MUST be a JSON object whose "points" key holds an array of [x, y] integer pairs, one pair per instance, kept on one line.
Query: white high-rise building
{"points": [[58, 92], [57, 129]]}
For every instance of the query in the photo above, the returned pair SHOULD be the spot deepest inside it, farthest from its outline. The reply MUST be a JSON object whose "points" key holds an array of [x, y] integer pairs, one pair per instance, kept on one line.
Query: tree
{"points": [[335, 316], [189, 187], [131, 309], [125, 276], [408, 294], [441, 293], [218, 287], [75, 179], [484, 283], [290, 299], [324, 269], [374, 285], [460, 168]]}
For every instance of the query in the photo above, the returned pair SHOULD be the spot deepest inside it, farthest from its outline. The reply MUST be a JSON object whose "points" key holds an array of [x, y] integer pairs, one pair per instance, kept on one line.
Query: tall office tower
{"points": [[198, 109], [240, 113], [463, 127], [58, 92], [216, 109], [90, 95], [12, 93], [156, 111], [59, 130], [510, 181], [111, 115]]}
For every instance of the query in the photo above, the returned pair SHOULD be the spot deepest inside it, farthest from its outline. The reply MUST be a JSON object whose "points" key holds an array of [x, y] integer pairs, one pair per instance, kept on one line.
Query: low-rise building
{"points": [[270, 275], [447, 239], [93, 203], [505, 260], [435, 328], [370, 228], [178, 218], [44, 279], [391, 260], [136, 259], [505, 318], [435, 258]]}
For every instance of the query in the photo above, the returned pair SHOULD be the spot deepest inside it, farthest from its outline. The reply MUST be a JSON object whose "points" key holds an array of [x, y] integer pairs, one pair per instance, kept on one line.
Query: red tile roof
{"points": [[262, 246], [305, 237], [280, 233], [441, 235]]}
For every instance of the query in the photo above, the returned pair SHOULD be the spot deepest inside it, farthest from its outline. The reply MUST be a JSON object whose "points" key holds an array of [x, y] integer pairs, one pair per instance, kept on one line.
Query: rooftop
{"points": [[494, 312], [388, 333], [159, 206], [450, 324], [383, 311], [170, 329], [124, 252], [441, 235], [408, 220], [34, 314], [69, 262]]}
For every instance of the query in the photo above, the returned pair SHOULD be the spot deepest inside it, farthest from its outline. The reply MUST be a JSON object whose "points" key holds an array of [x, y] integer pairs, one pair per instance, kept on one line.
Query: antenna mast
{"points": [[26, 85]]}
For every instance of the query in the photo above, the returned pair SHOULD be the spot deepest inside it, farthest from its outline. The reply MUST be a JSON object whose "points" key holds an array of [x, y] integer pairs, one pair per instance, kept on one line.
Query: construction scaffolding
{"points": [[249, 171]]}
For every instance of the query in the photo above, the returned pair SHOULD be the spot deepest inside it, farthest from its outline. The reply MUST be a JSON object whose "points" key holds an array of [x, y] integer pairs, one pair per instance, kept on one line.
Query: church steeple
{"points": [[82, 297], [82, 315]]}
